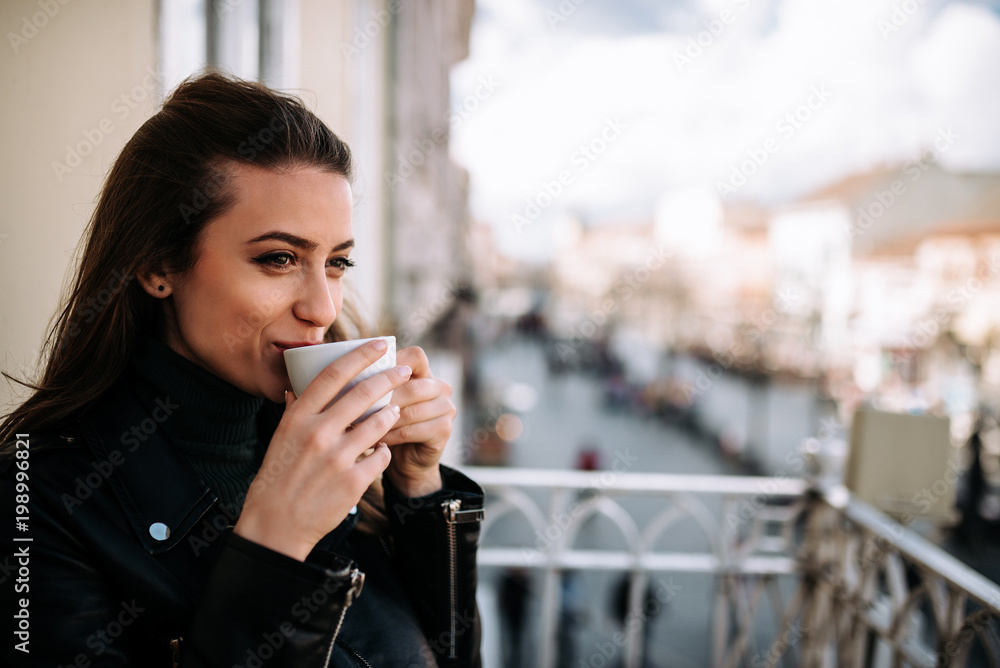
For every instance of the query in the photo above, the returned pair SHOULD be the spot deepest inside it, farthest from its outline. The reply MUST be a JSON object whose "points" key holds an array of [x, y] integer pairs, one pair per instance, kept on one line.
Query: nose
{"points": [[317, 303]]}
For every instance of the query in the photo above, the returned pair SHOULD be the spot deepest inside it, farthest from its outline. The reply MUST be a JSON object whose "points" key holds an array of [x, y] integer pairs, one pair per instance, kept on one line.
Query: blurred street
{"points": [[562, 414], [570, 412]]}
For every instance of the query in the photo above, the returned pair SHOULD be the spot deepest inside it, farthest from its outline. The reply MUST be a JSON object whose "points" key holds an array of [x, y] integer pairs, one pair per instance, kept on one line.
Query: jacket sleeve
{"points": [[255, 603], [261, 604], [436, 538]]}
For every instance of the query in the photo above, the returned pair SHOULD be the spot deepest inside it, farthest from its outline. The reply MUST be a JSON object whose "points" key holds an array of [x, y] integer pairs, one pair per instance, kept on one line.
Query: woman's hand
{"points": [[315, 470], [419, 437]]}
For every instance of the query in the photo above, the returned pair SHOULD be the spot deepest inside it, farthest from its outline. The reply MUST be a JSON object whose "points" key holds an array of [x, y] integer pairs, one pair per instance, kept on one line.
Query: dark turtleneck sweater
{"points": [[214, 425]]}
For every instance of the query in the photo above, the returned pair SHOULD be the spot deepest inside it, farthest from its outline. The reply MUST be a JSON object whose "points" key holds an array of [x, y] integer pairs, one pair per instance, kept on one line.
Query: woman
{"points": [[182, 504]]}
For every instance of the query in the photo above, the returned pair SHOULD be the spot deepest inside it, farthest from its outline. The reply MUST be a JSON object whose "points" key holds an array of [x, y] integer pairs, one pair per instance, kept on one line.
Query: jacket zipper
{"points": [[453, 514], [356, 655], [357, 582], [451, 509]]}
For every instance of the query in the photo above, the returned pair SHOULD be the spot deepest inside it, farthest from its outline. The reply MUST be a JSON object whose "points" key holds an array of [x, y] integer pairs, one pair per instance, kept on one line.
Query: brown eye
{"points": [[341, 263], [276, 260]]}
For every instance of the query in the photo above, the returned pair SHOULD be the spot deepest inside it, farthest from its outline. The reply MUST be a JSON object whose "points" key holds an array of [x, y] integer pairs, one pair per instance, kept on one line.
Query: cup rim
{"points": [[326, 344]]}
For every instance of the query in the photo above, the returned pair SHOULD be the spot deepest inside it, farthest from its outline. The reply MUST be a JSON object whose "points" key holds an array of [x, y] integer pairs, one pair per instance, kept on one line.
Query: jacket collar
{"points": [[161, 494]]}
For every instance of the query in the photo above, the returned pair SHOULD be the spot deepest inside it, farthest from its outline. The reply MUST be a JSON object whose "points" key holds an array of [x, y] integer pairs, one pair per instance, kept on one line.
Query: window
{"points": [[248, 38]]}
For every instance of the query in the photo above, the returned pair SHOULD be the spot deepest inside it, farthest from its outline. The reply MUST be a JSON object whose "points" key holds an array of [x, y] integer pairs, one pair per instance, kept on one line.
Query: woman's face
{"points": [[267, 277]]}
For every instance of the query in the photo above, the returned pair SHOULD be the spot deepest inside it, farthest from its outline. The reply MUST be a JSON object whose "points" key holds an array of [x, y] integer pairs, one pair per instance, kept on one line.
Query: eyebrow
{"points": [[299, 242]]}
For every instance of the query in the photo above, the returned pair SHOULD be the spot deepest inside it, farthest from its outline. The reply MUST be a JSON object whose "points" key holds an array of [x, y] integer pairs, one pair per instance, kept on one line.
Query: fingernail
{"points": [[380, 344], [404, 371], [394, 408]]}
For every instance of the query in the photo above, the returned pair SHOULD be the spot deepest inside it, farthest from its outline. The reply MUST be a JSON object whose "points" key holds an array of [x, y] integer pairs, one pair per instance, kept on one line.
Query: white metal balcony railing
{"points": [[865, 590]]}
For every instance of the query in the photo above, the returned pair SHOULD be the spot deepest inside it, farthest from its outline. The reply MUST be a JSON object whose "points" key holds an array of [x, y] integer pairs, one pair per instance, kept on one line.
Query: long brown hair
{"points": [[169, 181]]}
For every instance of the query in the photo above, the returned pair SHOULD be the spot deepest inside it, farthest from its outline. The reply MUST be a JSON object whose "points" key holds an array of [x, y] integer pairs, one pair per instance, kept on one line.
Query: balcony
{"points": [[801, 575]]}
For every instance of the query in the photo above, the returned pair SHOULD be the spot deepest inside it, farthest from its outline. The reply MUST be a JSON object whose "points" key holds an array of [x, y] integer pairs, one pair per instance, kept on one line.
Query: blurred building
{"points": [[427, 192], [919, 331]]}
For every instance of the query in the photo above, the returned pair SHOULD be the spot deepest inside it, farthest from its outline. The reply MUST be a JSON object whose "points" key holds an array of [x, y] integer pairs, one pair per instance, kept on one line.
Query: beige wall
{"points": [[60, 87]]}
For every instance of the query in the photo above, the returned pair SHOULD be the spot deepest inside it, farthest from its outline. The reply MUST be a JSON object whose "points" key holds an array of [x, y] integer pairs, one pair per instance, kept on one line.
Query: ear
{"points": [[156, 282]]}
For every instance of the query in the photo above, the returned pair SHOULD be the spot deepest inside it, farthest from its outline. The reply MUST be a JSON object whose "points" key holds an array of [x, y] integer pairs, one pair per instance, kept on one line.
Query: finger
{"points": [[350, 447], [420, 389], [337, 374], [429, 432], [415, 358], [365, 394], [425, 410], [372, 465], [372, 430]]}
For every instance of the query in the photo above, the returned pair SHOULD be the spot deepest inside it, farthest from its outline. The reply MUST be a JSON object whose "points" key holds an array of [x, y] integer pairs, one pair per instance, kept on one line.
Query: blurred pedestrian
{"points": [[972, 526], [626, 615], [514, 589], [572, 616], [588, 458]]}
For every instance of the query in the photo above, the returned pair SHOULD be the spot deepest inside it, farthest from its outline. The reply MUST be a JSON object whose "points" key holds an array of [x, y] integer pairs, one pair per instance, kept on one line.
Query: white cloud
{"points": [[690, 126], [957, 68]]}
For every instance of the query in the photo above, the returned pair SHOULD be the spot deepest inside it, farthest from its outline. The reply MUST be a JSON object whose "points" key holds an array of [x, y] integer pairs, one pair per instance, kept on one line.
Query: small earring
{"points": [[160, 288]]}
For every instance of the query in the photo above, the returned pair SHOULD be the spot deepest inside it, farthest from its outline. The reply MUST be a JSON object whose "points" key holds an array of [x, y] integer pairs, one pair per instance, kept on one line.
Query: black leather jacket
{"points": [[128, 559]]}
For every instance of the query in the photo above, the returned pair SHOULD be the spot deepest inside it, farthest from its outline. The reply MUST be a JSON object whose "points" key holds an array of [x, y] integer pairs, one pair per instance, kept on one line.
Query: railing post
{"points": [[720, 623], [634, 633], [551, 599]]}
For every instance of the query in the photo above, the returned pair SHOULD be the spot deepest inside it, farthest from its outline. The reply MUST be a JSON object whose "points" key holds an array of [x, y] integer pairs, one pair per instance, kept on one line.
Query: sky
{"points": [[601, 109]]}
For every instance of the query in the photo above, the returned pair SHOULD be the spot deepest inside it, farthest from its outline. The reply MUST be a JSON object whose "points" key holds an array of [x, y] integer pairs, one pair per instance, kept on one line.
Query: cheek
{"points": [[215, 323], [231, 314], [255, 307]]}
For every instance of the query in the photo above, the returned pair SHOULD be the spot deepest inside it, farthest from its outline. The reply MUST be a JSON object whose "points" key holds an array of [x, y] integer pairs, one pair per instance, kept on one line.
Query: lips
{"points": [[285, 345]]}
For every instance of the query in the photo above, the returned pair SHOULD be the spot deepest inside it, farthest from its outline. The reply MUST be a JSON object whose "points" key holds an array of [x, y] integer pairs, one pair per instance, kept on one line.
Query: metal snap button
{"points": [[159, 531]]}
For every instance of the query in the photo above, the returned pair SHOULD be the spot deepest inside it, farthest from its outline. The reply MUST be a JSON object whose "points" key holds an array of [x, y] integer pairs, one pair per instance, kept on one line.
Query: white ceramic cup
{"points": [[303, 364]]}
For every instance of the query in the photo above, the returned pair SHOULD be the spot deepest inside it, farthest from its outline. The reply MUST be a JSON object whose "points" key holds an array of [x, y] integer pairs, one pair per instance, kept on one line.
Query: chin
{"points": [[272, 388], [276, 393]]}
